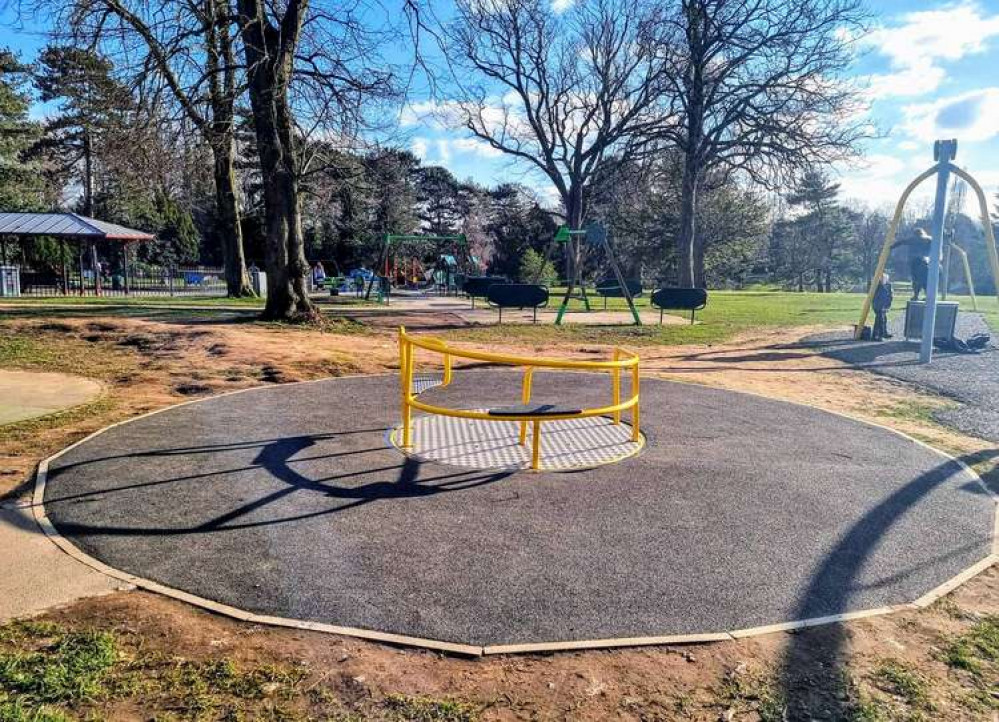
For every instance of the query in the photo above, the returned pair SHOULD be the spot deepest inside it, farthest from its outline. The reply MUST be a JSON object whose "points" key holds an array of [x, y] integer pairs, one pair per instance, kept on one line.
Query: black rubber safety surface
{"points": [[740, 512]]}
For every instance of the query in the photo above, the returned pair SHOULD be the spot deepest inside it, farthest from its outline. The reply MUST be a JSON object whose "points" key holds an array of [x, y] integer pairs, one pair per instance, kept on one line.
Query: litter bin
{"points": [[258, 279], [10, 281], [942, 329]]}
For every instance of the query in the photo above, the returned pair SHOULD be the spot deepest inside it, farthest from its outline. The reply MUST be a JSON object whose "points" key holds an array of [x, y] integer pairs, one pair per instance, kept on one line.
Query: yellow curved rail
{"points": [[620, 361]]}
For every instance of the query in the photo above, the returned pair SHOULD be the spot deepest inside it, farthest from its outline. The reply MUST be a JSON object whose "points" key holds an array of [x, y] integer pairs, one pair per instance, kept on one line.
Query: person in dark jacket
{"points": [[919, 243], [881, 304]]}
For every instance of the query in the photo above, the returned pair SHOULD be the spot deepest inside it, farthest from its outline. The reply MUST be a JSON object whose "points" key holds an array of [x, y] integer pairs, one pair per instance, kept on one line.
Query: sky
{"points": [[930, 69]]}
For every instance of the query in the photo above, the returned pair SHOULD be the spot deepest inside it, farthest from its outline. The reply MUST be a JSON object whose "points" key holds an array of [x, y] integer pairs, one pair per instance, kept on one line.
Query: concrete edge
{"points": [[41, 518]]}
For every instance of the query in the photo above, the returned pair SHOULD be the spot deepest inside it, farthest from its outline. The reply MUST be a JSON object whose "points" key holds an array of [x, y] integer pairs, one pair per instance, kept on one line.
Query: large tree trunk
{"points": [[229, 228], [686, 235], [700, 280], [269, 59]]}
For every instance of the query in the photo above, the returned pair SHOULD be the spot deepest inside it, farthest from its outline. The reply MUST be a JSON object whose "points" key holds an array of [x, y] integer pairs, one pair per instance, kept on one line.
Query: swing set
{"points": [[944, 152], [595, 236], [405, 259]]}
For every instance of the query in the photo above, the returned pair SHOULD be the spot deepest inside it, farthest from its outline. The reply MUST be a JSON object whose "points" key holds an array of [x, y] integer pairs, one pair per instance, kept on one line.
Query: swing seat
{"points": [[517, 295], [679, 299]]}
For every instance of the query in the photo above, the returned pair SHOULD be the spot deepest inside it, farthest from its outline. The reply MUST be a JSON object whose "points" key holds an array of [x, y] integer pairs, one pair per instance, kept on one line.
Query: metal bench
{"points": [[679, 299], [517, 295], [478, 286], [610, 288]]}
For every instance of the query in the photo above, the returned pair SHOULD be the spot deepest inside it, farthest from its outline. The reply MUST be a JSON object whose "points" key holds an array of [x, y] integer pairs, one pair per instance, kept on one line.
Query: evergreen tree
{"points": [[21, 187], [823, 223]]}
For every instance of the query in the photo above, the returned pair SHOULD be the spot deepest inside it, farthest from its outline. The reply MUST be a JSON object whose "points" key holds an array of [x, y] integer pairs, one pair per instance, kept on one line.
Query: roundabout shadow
{"points": [[277, 457]]}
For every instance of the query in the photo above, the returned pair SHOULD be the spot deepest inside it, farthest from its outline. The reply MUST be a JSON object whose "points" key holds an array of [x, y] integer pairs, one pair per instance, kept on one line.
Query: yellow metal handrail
{"points": [[621, 360]]}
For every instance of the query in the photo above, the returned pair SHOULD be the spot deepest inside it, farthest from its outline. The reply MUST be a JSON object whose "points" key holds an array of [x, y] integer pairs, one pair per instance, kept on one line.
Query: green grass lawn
{"points": [[220, 301], [727, 314]]}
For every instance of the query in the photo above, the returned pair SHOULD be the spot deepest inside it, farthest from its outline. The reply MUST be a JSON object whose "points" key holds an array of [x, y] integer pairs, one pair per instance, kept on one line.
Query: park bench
{"points": [[610, 288], [679, 299], [478, 286], [517, 295]]}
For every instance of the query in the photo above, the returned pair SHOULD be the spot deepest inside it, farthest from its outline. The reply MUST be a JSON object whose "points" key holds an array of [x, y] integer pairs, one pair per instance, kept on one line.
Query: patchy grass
{"points": [[425, 709], [918, 411], [742, 691], [977, 651], [897, 679], [49, 672]]}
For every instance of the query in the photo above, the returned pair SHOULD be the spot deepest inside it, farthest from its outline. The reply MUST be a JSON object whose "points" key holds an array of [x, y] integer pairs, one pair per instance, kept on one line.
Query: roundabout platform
{"points": [[739, 513]]}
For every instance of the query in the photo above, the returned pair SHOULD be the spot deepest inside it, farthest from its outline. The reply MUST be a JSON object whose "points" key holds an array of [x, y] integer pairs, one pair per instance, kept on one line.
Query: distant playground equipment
{"points": [[421, 262], [527, 413], [595, 235], [944, 152]]}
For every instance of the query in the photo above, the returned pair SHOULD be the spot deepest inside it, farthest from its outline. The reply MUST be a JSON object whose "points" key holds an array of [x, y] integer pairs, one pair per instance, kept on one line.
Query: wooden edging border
{"points": [[49, 529]]}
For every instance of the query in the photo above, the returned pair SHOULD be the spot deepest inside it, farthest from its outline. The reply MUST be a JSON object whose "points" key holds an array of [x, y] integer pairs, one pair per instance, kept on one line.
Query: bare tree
{"points": [[326, 54], [761, 93], [560, 92], [190, 46]]}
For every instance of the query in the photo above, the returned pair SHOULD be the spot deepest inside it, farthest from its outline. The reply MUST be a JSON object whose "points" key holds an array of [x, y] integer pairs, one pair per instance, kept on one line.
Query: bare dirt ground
{"points": [[904, 666]]}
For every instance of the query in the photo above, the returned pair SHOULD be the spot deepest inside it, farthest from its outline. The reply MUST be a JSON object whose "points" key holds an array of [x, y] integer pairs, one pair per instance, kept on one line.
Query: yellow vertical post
{"points": [[536, 445], [635, 417], [406, 384], [525, 399], [616, 386], [447, 369], [990, 239]]}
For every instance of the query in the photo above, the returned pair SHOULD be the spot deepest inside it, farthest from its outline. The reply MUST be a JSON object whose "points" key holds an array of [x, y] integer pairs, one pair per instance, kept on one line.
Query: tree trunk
{"points": [[269, 58], [229, 228], [88, 174], [686, 236], [700, 280]]}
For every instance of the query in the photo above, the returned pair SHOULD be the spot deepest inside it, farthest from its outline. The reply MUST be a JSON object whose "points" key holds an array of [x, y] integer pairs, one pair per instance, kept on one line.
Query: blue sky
{"points": [[931, 69]]}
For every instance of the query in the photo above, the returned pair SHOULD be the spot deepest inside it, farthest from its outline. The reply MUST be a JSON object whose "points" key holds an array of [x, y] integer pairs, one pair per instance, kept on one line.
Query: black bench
{"points": [[610, 288], [517, 295], [679, 299], [478, 286]]}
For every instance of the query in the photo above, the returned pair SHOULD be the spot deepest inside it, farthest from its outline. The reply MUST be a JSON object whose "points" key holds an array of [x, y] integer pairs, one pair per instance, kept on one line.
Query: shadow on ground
{"points": [[814, 676]]}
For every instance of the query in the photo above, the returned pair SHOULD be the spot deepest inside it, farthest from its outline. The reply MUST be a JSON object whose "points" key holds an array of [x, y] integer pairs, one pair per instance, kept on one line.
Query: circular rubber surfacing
{"points": [[739, 512]]}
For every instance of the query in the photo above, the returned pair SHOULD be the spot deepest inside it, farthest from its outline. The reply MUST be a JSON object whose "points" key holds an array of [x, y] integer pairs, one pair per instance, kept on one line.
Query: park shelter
{"points": [[70, 228]]}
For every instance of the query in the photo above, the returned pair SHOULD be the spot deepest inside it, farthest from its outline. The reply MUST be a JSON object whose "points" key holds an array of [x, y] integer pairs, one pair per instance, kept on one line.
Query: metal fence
{"points": [[137, 280]]}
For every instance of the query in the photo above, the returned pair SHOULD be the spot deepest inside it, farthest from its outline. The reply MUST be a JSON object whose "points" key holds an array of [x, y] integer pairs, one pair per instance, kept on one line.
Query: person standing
{"points": [[318, 274], [881, 304], [919, 243]]}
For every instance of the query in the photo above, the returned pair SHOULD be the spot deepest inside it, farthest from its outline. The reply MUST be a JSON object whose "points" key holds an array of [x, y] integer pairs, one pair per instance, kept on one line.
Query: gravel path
{"points": [[973, 380]]}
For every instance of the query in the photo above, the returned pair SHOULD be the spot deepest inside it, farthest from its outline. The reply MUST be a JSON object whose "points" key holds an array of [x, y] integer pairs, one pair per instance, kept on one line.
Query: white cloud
{"points": [[922, 40], [476, 147], [419, 147], [560, 6], [443, 150], [968, 117], [876, 180]]}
